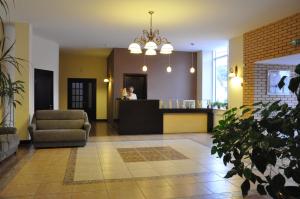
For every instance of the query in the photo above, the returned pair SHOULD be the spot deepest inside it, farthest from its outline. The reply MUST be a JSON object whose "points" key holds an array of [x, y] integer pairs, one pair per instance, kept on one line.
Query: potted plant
{"points": [[263, 145], [219, 105], [8, 87]]}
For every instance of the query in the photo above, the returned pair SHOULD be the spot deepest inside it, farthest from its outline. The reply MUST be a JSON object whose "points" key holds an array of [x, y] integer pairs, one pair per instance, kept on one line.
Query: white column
{"points": [[235, 89]]}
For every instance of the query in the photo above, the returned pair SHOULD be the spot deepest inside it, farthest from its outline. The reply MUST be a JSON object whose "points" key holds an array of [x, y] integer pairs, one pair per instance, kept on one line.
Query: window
{"points": [[220, 74]]}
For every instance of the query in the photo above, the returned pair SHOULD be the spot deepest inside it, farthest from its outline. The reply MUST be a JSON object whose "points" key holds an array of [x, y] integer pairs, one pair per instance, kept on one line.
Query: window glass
{"points": [[221, 75]]}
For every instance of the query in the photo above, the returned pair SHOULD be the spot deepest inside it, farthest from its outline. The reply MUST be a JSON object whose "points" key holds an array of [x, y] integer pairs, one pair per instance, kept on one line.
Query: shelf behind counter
{"points": [[145, 117]]}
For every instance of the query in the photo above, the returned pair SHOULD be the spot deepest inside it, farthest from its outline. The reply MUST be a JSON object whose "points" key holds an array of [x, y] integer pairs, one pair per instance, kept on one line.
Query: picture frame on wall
{"points": [[274, 76]]}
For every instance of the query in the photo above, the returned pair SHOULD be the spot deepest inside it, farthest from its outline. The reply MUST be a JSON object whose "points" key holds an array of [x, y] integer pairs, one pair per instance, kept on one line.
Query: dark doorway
{"points": [[82, 95], [43, 89], [139, 82]]}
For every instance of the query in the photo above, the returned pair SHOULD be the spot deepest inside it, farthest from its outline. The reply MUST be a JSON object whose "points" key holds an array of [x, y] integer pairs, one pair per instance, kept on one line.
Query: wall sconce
{"points": [[233, 74], [233, 71], [106, 80]]}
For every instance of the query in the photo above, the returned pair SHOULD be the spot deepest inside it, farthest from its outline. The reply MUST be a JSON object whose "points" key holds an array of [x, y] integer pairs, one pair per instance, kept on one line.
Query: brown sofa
{"points": [[55, 128]]}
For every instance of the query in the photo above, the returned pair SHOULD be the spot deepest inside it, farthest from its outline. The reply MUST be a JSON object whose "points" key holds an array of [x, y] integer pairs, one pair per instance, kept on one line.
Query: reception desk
{"points": [[145, 117]]}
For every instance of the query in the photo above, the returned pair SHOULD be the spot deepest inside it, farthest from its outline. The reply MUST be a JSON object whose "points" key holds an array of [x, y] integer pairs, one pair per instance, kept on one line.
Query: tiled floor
{"points": [[99, 171]]}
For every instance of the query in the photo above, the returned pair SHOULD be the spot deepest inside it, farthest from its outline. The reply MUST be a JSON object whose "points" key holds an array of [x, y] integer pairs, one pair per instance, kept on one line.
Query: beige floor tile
{"points": [[181, 180], [116, 175], [158, 192], [144, 173], [121, 184], [51, 188], [102, 194], [190, 189], [54, 196], [19, 190], [89, 187], [208, 177], [221, 187], [125, 193], [159, 182]]}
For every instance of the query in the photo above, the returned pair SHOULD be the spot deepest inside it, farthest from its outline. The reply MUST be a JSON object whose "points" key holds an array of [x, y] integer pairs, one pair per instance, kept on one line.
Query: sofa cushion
{"points": [[59, 115], [59, 135], [59, 124]]}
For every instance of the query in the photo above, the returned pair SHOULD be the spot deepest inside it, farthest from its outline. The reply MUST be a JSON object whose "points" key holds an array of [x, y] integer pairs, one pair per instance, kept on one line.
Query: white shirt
{"points": [[132, 96]]}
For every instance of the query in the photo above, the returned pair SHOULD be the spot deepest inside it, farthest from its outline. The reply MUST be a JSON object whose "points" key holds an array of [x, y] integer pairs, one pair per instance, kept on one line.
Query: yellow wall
{"points": [[235, 90], [22, 50], [73, 65]]}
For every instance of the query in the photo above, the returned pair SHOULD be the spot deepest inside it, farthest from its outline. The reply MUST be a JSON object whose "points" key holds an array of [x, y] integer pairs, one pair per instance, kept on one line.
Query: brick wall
{"points": [[260, 84], [268, 42]]}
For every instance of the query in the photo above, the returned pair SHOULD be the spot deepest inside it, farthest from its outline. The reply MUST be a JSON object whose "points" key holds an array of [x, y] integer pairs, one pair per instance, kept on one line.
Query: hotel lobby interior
{"points": [[127, 99]]}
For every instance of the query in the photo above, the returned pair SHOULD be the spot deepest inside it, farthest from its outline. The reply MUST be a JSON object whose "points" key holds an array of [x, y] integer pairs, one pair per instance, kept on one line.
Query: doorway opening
{"points": [[82, 95], [43, 89]]}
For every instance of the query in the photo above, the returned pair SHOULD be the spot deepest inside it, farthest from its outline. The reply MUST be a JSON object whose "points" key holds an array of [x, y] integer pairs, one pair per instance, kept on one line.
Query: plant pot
{"points": [[7, 130]]}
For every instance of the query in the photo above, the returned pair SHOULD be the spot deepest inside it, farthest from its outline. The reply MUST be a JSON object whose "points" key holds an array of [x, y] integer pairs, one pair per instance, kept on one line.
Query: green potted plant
{"points": [[263, 145], [8, 87], [219, 105]]}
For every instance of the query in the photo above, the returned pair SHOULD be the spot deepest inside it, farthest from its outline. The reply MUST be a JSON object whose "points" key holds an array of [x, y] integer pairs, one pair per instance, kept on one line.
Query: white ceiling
{"points": [[115, 23], [286, 60]]}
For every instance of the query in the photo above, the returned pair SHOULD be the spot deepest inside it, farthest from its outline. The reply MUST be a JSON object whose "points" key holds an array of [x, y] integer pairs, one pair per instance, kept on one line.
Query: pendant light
{"points": [[192, 68], [144, 68], [169, 68]]}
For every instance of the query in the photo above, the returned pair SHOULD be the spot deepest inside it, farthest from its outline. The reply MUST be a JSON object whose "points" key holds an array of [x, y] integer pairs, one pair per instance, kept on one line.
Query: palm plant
{"points": [[8, 87]]}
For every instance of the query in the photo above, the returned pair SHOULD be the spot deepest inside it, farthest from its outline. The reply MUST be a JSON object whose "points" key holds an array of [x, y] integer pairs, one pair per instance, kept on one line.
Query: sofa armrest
{"points": [[87, 128], [32, 127]]}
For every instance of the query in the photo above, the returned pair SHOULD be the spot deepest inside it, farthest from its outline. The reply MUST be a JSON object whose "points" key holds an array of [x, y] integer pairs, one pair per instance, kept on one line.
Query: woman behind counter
{"points": [[128, 94]]}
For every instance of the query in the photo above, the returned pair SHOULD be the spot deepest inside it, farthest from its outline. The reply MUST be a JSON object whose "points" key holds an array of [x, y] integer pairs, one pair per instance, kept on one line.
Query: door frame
{"points": [[137, 75], [94, 93], [36, 70]]}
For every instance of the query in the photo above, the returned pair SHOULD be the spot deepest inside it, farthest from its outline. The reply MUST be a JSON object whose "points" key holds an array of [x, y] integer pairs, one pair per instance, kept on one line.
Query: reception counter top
{"points": [[145, 117]]}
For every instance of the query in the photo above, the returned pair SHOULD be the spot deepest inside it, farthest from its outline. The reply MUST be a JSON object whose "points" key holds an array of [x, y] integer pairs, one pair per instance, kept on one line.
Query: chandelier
{"points": [[150, 40]]}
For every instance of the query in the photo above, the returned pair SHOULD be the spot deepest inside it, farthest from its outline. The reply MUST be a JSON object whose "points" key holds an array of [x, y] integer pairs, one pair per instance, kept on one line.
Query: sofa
{"points": [[57, 128], [9, 142]]}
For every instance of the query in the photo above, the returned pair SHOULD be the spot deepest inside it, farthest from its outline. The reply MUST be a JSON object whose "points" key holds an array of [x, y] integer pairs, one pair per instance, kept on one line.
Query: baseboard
{"points": [[101, 120], [25, 142]]}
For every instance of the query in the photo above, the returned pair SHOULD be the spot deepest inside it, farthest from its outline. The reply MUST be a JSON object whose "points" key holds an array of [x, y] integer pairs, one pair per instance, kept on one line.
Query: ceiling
{"points": [[286, 60], [115, 23]]}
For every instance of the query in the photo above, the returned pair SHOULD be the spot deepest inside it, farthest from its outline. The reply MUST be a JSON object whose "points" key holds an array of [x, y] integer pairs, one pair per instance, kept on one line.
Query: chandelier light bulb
{"points": [[169, 69], [136, 51], [150, 52], [192, 70], [145, 68], [166, 48], [151, 45], [134, 46]]}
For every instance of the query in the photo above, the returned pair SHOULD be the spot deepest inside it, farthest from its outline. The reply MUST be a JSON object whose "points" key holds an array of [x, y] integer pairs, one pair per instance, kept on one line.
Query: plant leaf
{"points": [[297, 69], [261, 189], [230, 173], [281, 82], [294, 84], [245, 187]]}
